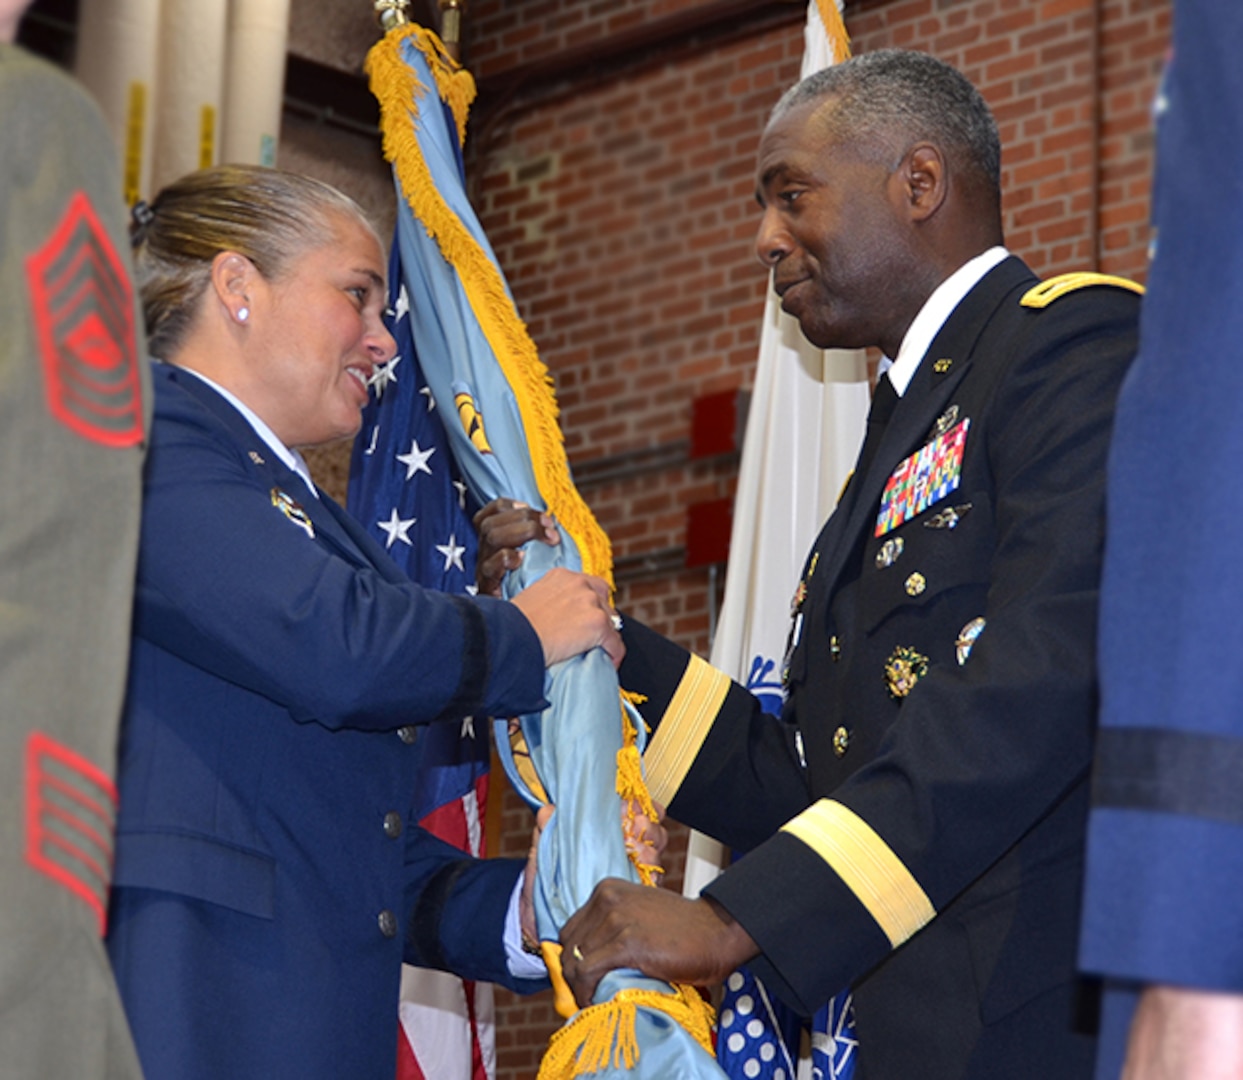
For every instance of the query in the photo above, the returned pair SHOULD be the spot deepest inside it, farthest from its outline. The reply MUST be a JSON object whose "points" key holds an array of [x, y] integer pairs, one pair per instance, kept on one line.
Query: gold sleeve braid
{"points": [[868, 866], [686, 723]]}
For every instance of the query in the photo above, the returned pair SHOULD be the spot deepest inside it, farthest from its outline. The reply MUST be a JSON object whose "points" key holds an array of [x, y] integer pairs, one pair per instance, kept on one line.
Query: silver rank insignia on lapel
{"points": [[966, 639], [925, 477], [943, 423], [949, 517], [255, 458], [889, 552], [904, 668], [288, 506]]}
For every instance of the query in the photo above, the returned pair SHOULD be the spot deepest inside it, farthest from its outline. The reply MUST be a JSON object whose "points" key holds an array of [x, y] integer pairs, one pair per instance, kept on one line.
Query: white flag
{"points": [[804, 429]]}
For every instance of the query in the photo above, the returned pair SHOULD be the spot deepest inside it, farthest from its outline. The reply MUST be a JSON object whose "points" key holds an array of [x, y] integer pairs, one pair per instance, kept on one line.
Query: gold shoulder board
{"points": [[1042, 295]]}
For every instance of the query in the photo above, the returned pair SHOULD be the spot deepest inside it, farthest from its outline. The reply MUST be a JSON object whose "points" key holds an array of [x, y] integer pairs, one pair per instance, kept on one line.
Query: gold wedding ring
{"points": [[577, 953]]}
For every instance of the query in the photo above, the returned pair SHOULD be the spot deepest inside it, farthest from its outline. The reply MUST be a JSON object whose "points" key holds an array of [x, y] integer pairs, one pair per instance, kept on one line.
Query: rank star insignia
{"points": [[288, 506], [943, 365], [904, 668], [255, 458]]}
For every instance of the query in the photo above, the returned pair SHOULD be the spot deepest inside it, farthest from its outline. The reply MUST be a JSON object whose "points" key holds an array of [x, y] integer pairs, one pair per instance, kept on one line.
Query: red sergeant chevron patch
{"points": [[70, 815], [82, 307], [923, 478]]}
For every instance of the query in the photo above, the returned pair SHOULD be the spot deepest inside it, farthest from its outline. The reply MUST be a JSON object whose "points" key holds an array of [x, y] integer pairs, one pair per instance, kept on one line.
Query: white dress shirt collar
{"points": [[932, 316], [290, 457]]}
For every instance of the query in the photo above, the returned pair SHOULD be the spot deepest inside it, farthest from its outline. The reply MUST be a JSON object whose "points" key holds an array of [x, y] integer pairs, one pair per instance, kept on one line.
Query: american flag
{"points": [[405, 488]]}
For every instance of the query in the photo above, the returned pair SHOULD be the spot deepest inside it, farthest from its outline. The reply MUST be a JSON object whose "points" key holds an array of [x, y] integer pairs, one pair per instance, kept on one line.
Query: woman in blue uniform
{"points": [[270, 877]]}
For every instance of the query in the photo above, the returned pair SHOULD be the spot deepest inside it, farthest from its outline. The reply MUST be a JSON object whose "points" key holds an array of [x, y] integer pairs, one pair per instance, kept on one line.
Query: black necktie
{"points": [[884, 399]]}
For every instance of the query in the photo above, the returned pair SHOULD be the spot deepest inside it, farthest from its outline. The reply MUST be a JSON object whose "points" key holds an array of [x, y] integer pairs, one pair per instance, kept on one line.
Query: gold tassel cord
{"points": [[396, 88], [562, 996]]}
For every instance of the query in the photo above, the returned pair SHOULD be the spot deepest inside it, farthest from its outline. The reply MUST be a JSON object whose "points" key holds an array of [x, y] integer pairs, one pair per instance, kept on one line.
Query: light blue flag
{"points": [[482, 367]]}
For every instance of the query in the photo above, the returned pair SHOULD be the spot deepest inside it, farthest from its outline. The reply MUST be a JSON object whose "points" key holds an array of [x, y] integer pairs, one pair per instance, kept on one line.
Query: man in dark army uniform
{"points": [[914, 828], [73, 420]]}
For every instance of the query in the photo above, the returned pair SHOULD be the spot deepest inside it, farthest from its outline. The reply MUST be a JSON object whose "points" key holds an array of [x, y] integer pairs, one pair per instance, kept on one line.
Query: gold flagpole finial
{"points": [[391, 13], [451, 26]]}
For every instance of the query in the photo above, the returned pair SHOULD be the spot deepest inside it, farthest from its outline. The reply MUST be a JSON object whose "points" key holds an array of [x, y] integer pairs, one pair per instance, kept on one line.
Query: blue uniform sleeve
{"points": [[229, 582], [457, 908], [1166, 830]]}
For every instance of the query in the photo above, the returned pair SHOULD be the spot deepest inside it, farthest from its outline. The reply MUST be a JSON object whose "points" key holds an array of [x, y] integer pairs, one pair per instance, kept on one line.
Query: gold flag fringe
{"points": [[603, 1036], [633, 791], [454, 83], [395, 87]]}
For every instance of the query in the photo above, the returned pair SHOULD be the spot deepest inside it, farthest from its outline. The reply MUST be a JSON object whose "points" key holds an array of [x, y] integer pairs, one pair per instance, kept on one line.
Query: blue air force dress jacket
{"points": [[1165, 839], [270, 877], [941, 690]]}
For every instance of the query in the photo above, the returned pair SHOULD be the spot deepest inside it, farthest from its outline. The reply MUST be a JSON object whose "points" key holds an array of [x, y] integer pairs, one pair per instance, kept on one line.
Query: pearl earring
{"points": [[243, 313]]}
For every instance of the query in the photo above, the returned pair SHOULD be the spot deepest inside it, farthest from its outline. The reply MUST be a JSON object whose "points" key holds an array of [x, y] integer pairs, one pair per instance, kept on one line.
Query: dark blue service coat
{"points": [[942, 690], [270, 876]]}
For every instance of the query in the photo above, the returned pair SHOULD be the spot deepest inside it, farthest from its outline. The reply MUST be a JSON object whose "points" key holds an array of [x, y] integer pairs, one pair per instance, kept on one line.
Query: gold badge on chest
{"points": [[904, 668], [289, 506]]}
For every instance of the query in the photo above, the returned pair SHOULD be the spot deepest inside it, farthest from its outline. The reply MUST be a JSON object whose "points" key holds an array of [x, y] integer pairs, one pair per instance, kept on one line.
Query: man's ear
{"points": [[922, 174], [233, 277]]}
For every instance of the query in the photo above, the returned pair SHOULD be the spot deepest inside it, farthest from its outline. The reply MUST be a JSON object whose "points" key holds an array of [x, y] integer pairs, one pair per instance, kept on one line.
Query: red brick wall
{"points": [[622, 212], [502, 33]]}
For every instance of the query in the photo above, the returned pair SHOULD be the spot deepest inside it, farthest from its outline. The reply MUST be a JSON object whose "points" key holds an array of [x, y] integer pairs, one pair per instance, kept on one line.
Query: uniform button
{"points": [[408, 733], [915, 584], [392, 824], [387, 922], [841, 741]]}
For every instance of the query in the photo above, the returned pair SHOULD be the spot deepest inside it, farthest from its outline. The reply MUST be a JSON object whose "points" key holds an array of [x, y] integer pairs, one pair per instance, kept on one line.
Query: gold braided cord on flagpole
{"points": [[835, 27], [395, 86]]}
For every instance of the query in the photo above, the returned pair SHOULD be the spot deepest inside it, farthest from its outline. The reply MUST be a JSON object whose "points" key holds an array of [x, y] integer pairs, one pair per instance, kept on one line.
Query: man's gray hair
{"points": [[897, 98]]}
